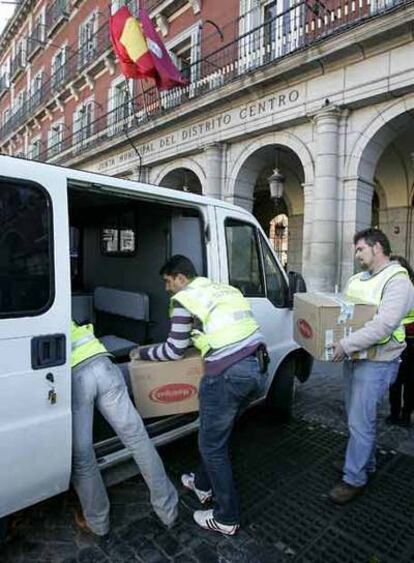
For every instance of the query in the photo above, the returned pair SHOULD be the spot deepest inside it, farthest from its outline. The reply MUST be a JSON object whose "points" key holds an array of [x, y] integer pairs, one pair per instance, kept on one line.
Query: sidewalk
{"points": [[320, 400]]}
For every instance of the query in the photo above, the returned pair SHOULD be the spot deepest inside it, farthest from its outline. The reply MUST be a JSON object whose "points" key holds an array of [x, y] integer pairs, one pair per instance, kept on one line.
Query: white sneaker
{"points": [[187, 479], [206, 520]]}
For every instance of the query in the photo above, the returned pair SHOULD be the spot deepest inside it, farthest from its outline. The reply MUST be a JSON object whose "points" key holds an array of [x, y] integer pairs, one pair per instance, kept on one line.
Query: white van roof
{"points": [[33, 170]]}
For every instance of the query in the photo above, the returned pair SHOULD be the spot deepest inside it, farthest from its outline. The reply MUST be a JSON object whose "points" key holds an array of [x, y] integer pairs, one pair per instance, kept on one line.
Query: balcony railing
{"points": [[35, 41], [298, 27], [56, 14], [17, 65], [4, 84]]}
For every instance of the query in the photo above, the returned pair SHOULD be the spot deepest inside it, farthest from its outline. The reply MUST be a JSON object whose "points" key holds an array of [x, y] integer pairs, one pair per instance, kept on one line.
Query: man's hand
{"points": [[134, 354], [338, 353]]}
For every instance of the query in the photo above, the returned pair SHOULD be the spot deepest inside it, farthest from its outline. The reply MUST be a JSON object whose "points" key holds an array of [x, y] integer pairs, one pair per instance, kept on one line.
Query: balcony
{"points": [[4, 84], [35, 41], [298, 27], [17, 65], [56, 14]]}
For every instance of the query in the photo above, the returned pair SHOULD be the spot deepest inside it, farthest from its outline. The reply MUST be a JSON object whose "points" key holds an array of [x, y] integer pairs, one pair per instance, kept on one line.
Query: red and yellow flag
{"points": [[140, 50]]}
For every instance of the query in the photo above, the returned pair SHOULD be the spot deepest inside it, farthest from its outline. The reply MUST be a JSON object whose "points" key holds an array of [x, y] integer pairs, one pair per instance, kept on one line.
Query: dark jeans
{"points": [[404, 384], [222, 398]]}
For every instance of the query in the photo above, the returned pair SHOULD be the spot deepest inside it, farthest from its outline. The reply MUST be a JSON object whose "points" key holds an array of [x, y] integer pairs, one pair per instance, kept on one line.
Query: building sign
{"points": [[252, 112]]}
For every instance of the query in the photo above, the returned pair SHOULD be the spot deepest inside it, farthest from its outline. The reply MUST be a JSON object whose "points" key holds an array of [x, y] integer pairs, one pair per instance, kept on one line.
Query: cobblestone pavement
{"points": [[283, 474], [320, 400]]}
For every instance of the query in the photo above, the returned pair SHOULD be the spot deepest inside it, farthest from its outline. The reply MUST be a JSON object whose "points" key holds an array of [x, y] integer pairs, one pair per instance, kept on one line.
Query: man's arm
{"points": [[177, 342], [397, 300]]}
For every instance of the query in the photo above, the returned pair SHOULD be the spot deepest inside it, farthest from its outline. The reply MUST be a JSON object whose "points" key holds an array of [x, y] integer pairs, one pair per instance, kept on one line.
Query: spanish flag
{"points": [[140, 50]]}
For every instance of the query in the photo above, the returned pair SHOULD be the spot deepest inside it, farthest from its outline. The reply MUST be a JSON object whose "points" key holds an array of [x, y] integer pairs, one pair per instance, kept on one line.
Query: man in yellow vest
{"points": [[386, 284], [96, 381], [217, 320]]}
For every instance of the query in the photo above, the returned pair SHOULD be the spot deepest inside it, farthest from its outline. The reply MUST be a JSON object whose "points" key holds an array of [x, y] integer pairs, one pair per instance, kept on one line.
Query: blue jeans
{"points": [[365, 384], [222, 398], [100, 382]]}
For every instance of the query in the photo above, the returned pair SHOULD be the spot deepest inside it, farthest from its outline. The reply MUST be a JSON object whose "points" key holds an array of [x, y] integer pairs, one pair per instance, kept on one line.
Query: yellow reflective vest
{"points": [[371, 290], [225, 315], [84, 344]]}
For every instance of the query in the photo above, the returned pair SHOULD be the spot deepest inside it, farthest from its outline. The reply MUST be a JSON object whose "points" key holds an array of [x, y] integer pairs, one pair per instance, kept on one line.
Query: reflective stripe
{"points": [[226, 319], [82, 341]]}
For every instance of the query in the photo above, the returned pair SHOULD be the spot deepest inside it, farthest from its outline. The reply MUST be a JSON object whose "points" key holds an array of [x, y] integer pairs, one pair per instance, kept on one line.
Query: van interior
{"points": [[118, 243]]}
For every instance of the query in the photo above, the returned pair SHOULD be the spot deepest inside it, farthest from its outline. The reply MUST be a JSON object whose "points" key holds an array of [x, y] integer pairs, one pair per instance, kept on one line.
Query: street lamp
{"points": [[276, 184]]}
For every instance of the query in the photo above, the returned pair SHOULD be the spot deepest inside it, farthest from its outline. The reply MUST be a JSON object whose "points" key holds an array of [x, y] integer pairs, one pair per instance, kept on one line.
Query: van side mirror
{"points": [[296, 285]]}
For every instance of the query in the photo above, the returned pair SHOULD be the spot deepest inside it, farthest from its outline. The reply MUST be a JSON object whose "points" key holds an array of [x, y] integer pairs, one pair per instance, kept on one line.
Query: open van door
{"points": [[251, 266], [35, 410]]}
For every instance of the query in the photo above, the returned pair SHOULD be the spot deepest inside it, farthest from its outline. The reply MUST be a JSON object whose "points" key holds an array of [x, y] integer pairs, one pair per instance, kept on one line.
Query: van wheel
{"points": [[279, 399]]}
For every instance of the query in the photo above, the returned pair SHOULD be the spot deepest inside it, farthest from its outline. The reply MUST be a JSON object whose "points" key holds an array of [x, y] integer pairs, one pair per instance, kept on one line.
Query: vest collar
{"points": [[365, 276]]}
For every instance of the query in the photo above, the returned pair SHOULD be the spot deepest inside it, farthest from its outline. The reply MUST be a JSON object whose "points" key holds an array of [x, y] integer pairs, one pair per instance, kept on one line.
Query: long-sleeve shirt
{"points": [[179, 338], [396, 302]]}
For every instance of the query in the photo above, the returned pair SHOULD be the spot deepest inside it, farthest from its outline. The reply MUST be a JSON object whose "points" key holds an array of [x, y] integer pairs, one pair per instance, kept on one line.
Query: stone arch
{"points": [[188, 163], [283, 139], [380, 132]]}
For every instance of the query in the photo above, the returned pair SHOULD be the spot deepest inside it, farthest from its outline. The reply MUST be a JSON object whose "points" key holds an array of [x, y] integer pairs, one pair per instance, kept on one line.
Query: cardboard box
{"points": [[164, 388], [323, 319]]}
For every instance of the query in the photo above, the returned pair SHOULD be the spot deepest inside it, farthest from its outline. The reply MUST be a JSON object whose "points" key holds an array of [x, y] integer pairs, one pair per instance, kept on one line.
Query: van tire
{"points": [[279, 399]]}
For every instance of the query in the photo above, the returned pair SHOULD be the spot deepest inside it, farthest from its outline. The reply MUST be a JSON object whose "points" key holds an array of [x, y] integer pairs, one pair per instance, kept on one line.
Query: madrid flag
{"points": [[140, 50]]}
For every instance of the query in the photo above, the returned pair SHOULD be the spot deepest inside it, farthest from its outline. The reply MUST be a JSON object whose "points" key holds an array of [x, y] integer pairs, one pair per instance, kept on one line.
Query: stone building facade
{"points": [[323, 92]]}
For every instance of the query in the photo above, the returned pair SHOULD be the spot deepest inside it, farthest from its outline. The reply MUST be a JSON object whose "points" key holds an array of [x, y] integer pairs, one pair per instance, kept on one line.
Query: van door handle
{"points": [[48, 351]]}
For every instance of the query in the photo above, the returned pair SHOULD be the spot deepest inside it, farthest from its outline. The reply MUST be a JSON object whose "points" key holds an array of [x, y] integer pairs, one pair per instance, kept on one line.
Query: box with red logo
{"points": [[322, 319], [164, 388]]}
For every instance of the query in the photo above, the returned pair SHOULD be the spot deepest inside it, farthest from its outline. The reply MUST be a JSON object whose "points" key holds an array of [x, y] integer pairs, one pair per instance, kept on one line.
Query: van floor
{"points": [[282, 473]]}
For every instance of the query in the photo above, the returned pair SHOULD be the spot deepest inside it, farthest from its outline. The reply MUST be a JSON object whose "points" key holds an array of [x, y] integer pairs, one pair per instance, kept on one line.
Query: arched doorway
{"points": [[182, 179], [281, 218]]}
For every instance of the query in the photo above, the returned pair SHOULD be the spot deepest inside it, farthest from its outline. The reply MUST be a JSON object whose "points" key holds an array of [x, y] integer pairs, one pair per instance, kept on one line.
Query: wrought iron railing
{"points": [[299, 26], [17, 64], [4, 84], [35, 40], [56, 13]]}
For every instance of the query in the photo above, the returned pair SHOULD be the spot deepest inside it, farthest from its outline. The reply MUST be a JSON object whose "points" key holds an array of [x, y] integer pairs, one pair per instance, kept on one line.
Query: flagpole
{"points": [[130, 102], [135, 118]]}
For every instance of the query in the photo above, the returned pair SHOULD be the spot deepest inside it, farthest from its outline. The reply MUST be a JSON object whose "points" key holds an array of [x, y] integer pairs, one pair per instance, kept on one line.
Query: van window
{"points": [[26, 258], [243, 256], [275, 282], [118, 235]]}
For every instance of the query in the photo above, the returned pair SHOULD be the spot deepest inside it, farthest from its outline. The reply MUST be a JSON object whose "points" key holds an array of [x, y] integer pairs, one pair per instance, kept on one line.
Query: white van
{"points": [[113, 235]]}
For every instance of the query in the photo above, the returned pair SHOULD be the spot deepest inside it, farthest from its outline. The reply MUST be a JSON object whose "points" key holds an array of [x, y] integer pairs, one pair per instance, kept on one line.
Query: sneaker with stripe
{"points": [[206, 520], [188, 481]]}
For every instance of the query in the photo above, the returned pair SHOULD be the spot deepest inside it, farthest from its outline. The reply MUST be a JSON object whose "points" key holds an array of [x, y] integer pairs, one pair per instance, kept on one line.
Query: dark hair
{"points": [[179, 264], [405, 264], [372, 236]]}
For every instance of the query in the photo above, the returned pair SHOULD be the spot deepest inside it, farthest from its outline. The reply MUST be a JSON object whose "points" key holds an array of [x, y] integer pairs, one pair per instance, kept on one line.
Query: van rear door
{"points": [[35, 411]]}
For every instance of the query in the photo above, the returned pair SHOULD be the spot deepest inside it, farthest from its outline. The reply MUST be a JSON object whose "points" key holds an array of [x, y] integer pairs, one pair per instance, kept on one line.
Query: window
{"points": [[36, 90], [6, 116], [59, 68], [35, 148], [26, 259], [87, 42], [55, 139], [119, 107], [83, 124], [275, 282], [118, 235], [243, 257], [132, 5]]}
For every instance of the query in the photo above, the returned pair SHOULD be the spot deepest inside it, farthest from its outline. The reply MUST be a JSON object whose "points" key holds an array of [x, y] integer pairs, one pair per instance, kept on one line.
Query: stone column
{"points": [[357, 211], [214, 170], [323, 246], [307, 230]]}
